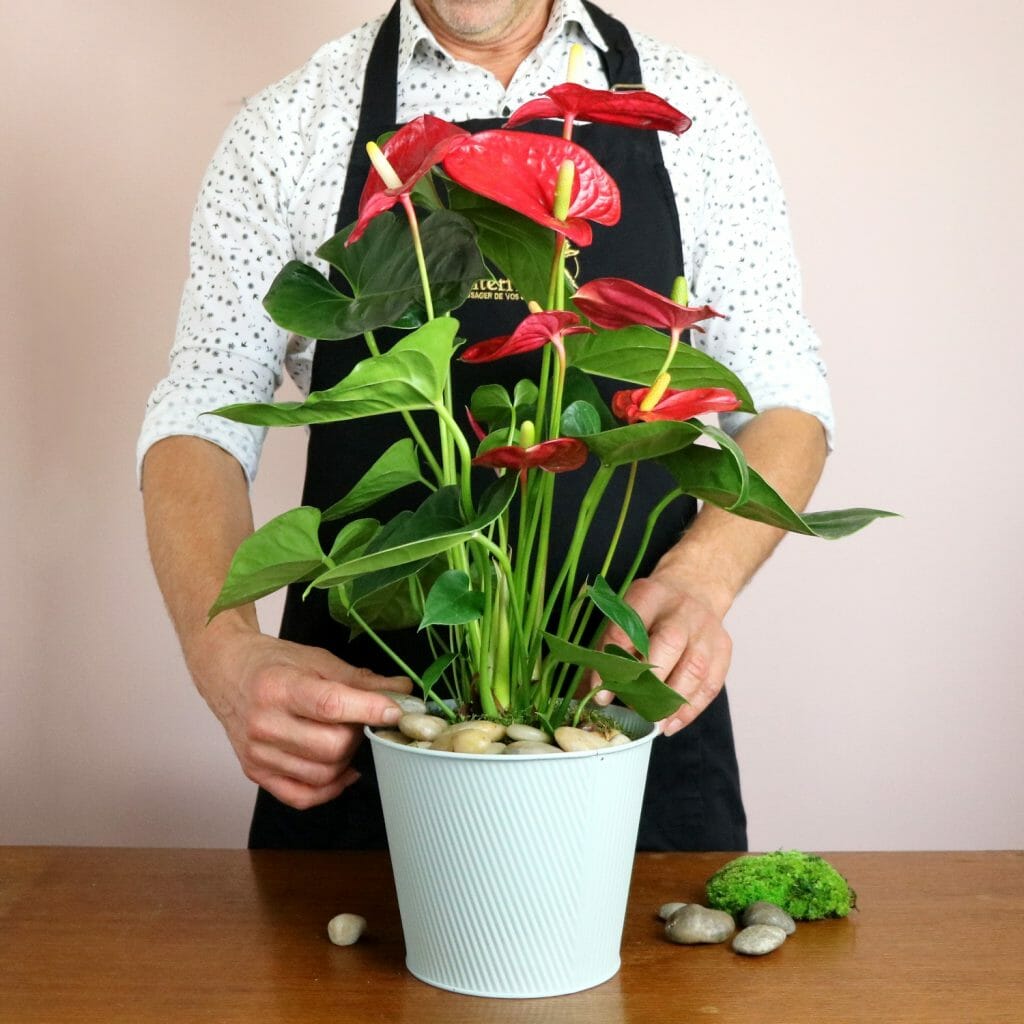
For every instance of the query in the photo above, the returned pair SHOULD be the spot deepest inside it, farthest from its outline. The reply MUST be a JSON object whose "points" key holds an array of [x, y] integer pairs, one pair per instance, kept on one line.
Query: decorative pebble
{"points": [[345, 929], [492, 730], [392, 736], [470, 741], [668, 909], [694, 924], [419, 726], [527, 733], [409, 704], [494, 748], [758, 939], [446, 741], [618, 739], [422, 744], [531, 747], [763, 912], [570, 739]]}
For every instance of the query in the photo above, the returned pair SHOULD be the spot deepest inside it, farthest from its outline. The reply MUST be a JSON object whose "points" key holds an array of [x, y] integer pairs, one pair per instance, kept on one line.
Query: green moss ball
{"points": [[807, 887]]}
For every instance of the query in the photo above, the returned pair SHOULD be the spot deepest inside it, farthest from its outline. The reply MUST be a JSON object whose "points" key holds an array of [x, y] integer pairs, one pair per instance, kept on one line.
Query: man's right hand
{"points": [[294, 714]]}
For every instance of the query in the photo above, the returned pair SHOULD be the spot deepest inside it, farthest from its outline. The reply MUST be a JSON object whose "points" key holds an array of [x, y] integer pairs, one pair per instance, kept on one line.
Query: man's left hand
{"points": [[690, 649]]}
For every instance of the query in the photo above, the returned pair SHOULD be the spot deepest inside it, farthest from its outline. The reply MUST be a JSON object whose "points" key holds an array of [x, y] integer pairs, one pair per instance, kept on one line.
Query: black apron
{"points": [[692, 800]]}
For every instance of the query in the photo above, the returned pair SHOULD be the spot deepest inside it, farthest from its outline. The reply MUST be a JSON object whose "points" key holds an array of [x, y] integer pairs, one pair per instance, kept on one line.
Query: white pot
{"points": [[513, 871]]}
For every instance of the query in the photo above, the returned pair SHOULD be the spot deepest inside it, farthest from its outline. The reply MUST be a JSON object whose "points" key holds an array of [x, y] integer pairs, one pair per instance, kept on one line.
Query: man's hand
{"points": [[684, 600], [690, 649], [293, 714]]}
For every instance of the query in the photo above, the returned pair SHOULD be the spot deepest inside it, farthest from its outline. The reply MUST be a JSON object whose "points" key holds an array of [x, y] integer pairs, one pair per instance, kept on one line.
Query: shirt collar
{"points": [[568, 17]]}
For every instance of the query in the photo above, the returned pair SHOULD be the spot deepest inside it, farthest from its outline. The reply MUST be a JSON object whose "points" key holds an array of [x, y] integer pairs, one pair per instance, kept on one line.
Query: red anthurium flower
{"points": [[411, 151], [558, 456], [612, 302], [520, 170], [578, 103], [673, 405], [534, 332]]}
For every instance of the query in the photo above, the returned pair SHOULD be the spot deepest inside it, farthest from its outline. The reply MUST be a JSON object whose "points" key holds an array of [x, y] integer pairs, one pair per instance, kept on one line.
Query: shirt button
{"points": [[506, 111]]}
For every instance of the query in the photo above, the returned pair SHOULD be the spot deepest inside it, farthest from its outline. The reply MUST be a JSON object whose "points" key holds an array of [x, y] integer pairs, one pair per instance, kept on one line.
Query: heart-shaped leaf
{"points": [[711, 475], [636, 355], [396, 468], [283, 551], [452, 602], [409, 376]]}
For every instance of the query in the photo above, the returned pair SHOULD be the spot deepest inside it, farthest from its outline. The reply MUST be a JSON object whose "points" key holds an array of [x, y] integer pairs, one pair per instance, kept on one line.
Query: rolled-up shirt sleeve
{"points": [[226, 347]]}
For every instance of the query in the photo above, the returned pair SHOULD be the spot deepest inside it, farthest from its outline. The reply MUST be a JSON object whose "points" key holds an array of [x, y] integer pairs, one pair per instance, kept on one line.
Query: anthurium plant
{"points": [[509, 622]]}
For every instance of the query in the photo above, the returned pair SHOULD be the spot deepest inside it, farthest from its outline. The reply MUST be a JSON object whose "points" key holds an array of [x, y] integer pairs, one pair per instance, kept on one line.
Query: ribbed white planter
{"points": [[513, 871]]}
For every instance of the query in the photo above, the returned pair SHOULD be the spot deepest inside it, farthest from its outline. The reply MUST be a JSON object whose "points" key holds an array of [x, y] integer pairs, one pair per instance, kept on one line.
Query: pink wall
{"points": [[877, 681]]}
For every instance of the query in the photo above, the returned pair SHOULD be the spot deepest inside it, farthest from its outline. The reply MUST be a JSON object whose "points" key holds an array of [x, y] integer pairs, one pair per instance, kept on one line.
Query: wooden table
{"points": [[195, 935]]}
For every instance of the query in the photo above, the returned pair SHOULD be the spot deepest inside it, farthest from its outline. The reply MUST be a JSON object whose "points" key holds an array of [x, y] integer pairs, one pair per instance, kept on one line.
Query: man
{"points": [[712, 207]]}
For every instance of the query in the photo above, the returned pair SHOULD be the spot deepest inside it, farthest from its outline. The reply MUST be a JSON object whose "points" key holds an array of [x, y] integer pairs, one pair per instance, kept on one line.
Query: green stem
{"points": [[364, 626], [613, 544], [454, 433], [410, 423], [417, 245], [645, 540]]}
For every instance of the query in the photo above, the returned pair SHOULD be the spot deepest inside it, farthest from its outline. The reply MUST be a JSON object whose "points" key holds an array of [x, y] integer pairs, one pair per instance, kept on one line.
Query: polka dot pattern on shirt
{"points": [[272, 190]]}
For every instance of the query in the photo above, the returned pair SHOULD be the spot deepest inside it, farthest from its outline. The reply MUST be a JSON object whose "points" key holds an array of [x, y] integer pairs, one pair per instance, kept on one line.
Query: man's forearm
{"points": [[197, 513], [720, 552]]}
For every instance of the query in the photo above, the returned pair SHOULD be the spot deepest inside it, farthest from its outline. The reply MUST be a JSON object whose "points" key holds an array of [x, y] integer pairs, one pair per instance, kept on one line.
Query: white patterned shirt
{"points": [[272, 190]]}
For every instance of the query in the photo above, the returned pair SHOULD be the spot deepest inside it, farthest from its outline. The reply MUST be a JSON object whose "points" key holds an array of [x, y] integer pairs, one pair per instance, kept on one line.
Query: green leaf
{"points": [[353, 537], [452, 602], [492, 405], [711, 475], [425, 535], [580, 419], [520, 248], [283, 551], [636, 355], [646, 694], [408, 376], [580, 388], [396, 468], [730, 447], [639, 441], [614, 608], [382, 272], [631, 680], [525, 399], [396, 606]]}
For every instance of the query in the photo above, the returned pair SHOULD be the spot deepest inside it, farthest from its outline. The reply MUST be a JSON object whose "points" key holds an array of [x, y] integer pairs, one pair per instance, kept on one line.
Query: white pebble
{"points": [[527, 733], [418, 726], [409, 704], [345, 929], [570, 739]]}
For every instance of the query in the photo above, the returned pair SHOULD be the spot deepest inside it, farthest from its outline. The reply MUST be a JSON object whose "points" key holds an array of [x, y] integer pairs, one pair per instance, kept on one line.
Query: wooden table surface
{"points": [[229, 936]]}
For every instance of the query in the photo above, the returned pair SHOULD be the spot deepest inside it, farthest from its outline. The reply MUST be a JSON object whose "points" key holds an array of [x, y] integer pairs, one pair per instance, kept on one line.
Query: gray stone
{"points": [[694, 924], [345, 929], [763, 912], [758, 939], [668, 909]]}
